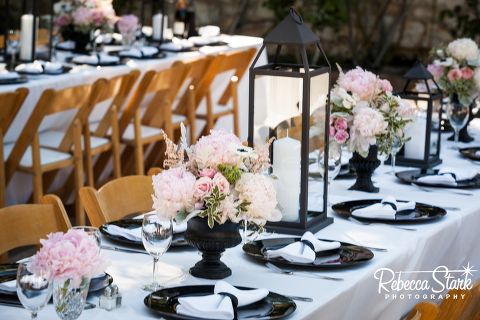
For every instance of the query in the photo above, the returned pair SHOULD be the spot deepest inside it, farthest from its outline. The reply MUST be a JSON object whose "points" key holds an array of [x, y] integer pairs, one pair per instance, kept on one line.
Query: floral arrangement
{"points": [[127, 25], [218, 179], [72, 255], [85, 15], [364, 112], [455, 69]]}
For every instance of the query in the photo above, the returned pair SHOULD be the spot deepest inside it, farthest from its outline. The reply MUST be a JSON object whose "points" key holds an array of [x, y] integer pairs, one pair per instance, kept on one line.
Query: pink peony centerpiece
{"points": [[127, 24]]}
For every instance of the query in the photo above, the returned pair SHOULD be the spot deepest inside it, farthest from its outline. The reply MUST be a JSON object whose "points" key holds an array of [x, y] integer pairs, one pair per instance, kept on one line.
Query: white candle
{"points": [[26, 37], [286, 166], [415, 148], [157, 26]]}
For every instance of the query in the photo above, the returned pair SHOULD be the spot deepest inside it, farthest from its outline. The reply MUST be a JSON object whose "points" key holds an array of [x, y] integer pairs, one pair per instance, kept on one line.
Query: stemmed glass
{"points": [[34, 284], [332, 164], [393, 155], [93, 234], [13, 44], [156, 237], [55, 39], [457, 114]]}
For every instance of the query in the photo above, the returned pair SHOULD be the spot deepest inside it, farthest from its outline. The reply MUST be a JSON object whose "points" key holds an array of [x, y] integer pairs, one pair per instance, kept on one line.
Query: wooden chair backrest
{"points": [[425, 310], [81, 97], [117, 199], [10, 103], [472, 311], [154, 170], [165, 84], [26, 224], [117, 88], [453, 308], [197, 76]]}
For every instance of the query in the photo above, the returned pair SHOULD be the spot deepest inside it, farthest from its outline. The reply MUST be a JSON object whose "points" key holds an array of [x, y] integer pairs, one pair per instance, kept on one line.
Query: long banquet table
{"points": [[451, 241], [20, 187]]}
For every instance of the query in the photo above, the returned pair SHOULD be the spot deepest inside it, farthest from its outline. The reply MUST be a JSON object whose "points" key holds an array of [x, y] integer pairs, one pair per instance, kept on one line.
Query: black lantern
{"points": [[35, 22], [285, 101], [423, 150], [160, 14]]}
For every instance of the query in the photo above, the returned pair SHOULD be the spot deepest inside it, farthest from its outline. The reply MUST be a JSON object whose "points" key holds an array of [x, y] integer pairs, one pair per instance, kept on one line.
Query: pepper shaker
{"points": [[106, 301], [117, 295]]}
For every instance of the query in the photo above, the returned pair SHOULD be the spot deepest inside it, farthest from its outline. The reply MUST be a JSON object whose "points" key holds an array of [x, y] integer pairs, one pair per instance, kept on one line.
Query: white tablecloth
{"points": [[451, 241], [20, 187]]}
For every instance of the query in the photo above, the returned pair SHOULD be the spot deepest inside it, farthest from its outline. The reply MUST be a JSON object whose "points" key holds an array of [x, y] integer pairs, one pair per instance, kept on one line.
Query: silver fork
{"points": [[305, 299], [280, 270], [384, 224], [440, 190]]}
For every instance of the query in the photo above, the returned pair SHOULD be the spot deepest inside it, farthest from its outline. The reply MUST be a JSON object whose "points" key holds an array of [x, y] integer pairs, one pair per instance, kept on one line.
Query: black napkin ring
{"points": [[232, 297], [308, 244], [394, 206], [453, 175], [98, 57]]}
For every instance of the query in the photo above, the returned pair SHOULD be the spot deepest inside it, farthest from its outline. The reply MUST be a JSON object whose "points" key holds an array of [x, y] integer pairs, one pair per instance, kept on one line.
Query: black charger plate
{"points": [[274, 306], [420, 213], [411, 176], [158, 55], [347, 255], [13, 81], [470, 153], [177, 240]]}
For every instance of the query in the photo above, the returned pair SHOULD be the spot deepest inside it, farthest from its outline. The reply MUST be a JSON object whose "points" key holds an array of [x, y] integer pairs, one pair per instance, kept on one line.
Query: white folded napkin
{"points": [[136, 234], [66, 45], [477, 153], [217, 306], [203, 41], [8, 75], [94, 59], [301, 252], [177, 45], [209, 31], [9, 286], [40, 66], [140, 52], [449, 176], [384, 209]]}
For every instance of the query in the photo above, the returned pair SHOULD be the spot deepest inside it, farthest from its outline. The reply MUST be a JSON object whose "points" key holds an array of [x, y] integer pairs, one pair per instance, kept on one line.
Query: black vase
{"points": [[463, 135], [81, 39], [211, 243], [365, 168]]}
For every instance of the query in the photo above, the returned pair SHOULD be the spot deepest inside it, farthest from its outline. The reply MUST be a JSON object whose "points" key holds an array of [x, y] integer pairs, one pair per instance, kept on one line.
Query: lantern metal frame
{"points": [[420, 73], [160, 3], [293, 32]]}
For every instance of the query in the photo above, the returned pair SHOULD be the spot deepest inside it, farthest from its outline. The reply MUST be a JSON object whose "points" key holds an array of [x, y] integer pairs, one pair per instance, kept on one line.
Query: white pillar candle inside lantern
{"points": [[157, 26], [26, 36], [415, 148], [286, 166]]}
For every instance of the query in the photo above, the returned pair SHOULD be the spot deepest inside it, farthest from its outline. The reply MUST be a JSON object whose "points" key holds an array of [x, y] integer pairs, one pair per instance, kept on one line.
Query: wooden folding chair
{"points": [[472, 311], [153, 171], [238, 61], [56, 151], [26, 224], [425, 310], [117, 199], [158, 116], [10, 103]]}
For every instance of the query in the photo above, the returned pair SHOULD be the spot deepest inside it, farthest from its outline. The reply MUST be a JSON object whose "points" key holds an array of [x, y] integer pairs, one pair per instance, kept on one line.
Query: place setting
{"points": [[446, 177], [40, 67]]}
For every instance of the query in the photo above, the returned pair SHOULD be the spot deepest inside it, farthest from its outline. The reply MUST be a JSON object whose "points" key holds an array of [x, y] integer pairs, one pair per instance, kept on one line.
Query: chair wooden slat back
{"points": [[472, 311], [26, 224], [453, 308], [117, 199], [425, 310], [10, 103]]}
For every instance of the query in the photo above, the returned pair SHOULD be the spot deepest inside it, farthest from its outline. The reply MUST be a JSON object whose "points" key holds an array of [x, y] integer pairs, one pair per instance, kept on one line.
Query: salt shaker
{"points": [[106, 301], [117, 295]]}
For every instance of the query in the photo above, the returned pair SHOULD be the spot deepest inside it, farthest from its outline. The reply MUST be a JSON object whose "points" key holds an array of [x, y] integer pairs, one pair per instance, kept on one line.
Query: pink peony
{"points": [[467, 73], [81, 16], [331, 121], [60, 21], [386, 85], [207, 172], [222, 183], [405, 110], [97, 17], [341, 136], [212, 150], [369, 122], [363, 83], [127, 24], [203, 188], [436, 71], [174, 189], [72, 255], [331, 131], [341, 124], [454, 74]]}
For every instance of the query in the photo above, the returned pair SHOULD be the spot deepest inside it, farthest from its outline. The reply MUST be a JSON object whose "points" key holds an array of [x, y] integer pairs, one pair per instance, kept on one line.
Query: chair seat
{"points": [[215, 109], [47, 156], [52, 139]]}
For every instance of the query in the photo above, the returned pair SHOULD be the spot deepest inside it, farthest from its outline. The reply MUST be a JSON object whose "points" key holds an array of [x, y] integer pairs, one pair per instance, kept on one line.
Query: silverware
{"points": [[89, 306], [124, 250], [299, 298], [379, 223], [440, 190], [280, 270], [375, 249], [450, 208], [473, 161]]}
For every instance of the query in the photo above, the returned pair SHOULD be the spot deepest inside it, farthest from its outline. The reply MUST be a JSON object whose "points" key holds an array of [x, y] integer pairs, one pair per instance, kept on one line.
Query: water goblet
{"points": [[34, 284], [457, 114], [393, 155], [93, 234], [13, 44], [156, 237], [332, 164]]}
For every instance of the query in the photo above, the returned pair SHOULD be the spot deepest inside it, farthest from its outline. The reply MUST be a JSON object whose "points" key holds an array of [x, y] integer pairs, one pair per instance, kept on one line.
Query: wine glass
{"points": [[13, 44], [156, 238], [34, 284], [55, 40], [393, 155], [457, 114], [332, 164], [93, 234]]}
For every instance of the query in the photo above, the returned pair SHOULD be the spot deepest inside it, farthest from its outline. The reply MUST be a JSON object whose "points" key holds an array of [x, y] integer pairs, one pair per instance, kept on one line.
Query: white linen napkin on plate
{"points": [[8, 75], [384, 209], [139, 52], [217, 306], [177, 45], [203, 41], [66, 45], [93, 59], [449, 176], [136, 234], [9, 286], [301, 252], [38, 66], [209, 31]]}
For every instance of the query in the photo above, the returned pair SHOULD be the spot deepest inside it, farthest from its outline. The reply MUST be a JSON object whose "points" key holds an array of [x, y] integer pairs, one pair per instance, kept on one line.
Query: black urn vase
{"points": [[211, 243], [365, 168], [81, 39]]}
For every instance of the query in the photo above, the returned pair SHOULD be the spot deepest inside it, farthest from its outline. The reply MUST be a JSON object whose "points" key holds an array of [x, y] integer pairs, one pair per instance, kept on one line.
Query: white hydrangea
{"points": [[462, 49]]}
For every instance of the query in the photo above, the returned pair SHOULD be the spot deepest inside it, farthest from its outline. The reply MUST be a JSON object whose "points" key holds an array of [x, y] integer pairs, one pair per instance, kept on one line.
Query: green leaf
{"points": [[210, 221]]}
